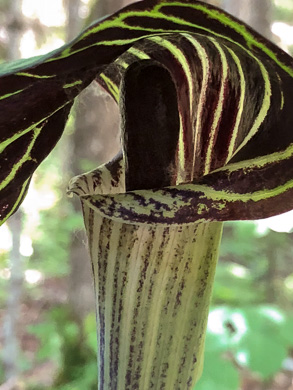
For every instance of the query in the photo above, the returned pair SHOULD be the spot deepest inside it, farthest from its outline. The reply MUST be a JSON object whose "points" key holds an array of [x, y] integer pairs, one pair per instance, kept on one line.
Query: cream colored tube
{"points": [[153, 287]]}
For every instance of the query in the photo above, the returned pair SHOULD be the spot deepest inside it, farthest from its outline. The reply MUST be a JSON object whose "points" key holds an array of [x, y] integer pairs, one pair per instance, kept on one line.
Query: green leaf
{"points": [[234, 285], [218, 373], [263, 346], [225, 329], [265, 318], [259, 337], [51, 341], [286, 332], [90, 330], [261, 353]]}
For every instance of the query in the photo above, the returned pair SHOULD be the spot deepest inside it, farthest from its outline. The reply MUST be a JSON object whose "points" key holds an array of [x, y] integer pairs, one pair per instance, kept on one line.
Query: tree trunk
{"points": [[80, 287], [11, 343], [11, 320], [95, 139], [106, 7], [15, 29], [258, 14]]}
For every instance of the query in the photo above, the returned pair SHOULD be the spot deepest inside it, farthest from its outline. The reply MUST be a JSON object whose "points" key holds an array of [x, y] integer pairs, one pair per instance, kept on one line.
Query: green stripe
{"points": [[11, 94], [219, 109], [182, 172], [155, 14], [35, 76], [113, 88], [231, 146], [224, 19], [205, 63], [24, 158], [22, 193], [70, 85], [264, 108], [19, 134], [138, 53], [258, 162], [122, 63]]}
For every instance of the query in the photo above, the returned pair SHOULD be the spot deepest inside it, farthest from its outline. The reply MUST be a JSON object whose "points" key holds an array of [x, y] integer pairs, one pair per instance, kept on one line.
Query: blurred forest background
{"points": [[47, 319]]}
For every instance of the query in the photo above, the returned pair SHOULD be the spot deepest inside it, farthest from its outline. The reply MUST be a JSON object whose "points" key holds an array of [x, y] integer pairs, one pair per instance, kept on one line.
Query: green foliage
{"points": [[52, 245], [218, 374], [72, 346], [253, 267], [256, 338], [50, 347], [233, 289], [52, 239], [85, 377], [90, 330], [236, 337], [244, 330], [264, 344], [283, 10], [2, 376], [53, 242]]}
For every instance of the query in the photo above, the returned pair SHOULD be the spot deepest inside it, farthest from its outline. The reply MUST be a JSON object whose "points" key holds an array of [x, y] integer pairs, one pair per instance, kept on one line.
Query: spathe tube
{"points": [[153, 286]]}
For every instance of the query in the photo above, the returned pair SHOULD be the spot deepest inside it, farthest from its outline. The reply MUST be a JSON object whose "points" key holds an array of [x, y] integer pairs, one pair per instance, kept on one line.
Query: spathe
{"points": [[36, 94]]}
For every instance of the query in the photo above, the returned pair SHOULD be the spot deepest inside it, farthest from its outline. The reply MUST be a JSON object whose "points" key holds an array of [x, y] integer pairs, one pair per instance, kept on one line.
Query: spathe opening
{"points": [[149, 124]]}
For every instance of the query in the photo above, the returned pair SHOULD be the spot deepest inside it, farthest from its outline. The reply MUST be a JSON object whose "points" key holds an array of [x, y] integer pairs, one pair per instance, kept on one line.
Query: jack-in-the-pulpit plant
{"points": [[207, 136]]}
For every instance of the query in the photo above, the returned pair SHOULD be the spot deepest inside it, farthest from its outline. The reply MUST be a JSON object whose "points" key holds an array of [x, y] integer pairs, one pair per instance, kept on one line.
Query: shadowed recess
{"points": [[150, 105]]}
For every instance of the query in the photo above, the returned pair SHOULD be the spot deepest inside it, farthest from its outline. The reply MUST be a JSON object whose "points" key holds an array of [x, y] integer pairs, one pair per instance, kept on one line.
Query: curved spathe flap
{"points": [[248, 190]]}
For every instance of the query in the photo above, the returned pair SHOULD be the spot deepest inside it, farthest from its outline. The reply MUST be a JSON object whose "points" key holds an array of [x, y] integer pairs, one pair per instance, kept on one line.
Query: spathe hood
{"points": [[238, 167]]}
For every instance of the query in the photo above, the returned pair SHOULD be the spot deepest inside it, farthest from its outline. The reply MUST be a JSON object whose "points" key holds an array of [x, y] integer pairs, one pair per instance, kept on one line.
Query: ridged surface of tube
{"points": [[153, 288]]}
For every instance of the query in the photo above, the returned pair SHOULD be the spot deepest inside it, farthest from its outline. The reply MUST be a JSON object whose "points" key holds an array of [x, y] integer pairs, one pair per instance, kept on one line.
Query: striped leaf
{"points": [[238, 98], [233, 159]]}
